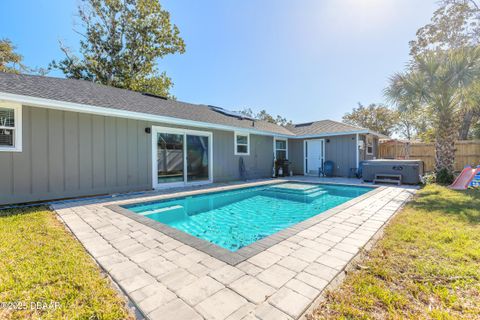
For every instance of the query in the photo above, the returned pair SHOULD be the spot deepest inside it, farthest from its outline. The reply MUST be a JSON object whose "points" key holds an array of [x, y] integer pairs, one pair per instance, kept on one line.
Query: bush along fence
{"points": [[467, 152]]}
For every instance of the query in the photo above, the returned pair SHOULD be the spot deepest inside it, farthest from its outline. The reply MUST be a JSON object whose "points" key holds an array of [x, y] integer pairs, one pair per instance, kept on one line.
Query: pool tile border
{"points": [[237, 257]]}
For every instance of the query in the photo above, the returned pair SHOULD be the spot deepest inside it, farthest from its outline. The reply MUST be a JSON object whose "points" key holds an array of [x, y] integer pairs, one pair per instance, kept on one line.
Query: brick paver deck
{"points": [[168, 279]]}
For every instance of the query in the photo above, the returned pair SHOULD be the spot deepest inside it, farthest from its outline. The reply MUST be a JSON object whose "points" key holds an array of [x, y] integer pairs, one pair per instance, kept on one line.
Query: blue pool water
{"points": [[234, 219]]}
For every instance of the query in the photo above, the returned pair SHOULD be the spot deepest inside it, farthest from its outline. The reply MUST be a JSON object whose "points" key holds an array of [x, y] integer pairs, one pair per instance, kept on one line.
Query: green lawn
{"points": [[427, 265], [41, 262]]}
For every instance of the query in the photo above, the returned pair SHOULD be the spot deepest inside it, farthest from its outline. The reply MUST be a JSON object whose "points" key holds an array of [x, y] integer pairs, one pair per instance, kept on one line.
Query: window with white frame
{"points": [[10, 127], [369, 145], [242, 143], [280, 149]]}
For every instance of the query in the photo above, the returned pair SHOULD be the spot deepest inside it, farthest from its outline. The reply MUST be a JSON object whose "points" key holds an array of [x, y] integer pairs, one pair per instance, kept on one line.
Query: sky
{"points": [[302, 59]]}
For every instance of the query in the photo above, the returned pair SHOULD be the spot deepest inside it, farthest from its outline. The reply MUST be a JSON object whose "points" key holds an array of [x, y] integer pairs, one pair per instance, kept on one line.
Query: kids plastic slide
{"points": [[463, 180]]}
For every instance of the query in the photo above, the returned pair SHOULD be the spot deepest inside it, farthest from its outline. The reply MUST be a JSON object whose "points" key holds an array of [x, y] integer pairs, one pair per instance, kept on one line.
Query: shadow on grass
{"points": [[461, 204], [8, 212]]}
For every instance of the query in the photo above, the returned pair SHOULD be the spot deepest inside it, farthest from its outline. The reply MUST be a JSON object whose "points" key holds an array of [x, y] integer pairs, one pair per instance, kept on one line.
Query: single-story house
{"points": [[63, 138]]}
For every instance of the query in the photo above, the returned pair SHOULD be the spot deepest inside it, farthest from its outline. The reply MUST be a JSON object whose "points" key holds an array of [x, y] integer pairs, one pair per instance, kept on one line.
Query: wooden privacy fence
{"points": [[467, 152]]}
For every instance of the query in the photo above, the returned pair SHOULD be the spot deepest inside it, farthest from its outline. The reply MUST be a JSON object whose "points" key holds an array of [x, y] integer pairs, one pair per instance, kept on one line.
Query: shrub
{"points": [[429, 178], [444, 177]]}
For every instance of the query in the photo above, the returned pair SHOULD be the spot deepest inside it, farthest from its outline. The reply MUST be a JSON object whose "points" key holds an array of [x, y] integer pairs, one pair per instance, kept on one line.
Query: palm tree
{"points": [[439, 82]]}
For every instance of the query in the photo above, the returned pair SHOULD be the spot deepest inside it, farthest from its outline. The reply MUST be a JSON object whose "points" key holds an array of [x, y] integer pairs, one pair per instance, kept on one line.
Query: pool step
{"points": [[302, 192], [316, 194], [161, 210], [309, 196], [294, 187]]}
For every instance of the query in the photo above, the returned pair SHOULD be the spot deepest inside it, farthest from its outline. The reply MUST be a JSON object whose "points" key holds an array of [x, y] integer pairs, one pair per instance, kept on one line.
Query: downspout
{"points": [[357, 153]]}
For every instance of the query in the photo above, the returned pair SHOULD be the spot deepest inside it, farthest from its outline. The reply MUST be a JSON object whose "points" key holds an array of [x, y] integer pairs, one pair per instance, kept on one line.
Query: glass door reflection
{"points": [[197, 158], [170, 157]]}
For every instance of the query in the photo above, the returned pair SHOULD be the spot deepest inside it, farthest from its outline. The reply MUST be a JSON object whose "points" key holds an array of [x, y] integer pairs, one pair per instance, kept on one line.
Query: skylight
{"points": [[231, 113], [303, 124]]}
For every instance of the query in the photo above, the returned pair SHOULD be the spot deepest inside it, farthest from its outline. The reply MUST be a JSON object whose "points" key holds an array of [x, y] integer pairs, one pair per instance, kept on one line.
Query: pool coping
{"points": [[227, 256]]}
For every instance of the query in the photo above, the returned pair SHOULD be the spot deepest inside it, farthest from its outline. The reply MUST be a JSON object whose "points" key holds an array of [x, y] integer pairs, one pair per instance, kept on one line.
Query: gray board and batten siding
{"points": [[70, 154], [339, 149], [342, 151]]}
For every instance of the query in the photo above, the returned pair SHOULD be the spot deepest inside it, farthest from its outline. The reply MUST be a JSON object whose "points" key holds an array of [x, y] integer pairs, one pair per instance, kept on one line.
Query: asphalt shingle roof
{"points": [[89, 93], [322, 127]]}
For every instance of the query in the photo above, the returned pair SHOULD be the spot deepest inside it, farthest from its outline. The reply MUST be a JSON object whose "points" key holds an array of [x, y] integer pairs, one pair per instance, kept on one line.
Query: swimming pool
{"points": [[237, 218]]}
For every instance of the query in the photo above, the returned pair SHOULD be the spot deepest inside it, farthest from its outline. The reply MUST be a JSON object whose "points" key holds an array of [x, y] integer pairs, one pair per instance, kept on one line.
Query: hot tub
{"points": [[410, 170]]}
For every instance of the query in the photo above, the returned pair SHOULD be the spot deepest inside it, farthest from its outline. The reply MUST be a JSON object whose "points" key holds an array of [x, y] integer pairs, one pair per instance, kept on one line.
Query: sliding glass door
{"points": [[181, 157]]}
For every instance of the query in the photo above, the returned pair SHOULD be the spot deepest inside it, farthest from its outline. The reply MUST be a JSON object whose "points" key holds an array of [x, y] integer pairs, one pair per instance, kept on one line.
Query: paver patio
{"points": [[168, 279]]}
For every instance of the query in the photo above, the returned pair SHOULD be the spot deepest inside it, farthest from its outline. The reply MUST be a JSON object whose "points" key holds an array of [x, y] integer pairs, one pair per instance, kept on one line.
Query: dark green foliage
{"points": [[454, 25], [376, 117], [444, 176], [122, 42]]}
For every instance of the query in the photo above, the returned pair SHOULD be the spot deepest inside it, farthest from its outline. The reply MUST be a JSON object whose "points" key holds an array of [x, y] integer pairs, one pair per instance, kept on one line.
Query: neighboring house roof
{"points": [[326, 127], [85, 94]]}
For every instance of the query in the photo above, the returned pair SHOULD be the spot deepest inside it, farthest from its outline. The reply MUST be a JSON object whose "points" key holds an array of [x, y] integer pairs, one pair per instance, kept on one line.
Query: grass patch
{"points": [[427, 265], [41, 262]]}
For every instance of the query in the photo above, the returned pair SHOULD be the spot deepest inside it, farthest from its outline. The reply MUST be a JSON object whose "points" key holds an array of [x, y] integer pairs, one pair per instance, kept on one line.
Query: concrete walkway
{"points": [[167, 279]]}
